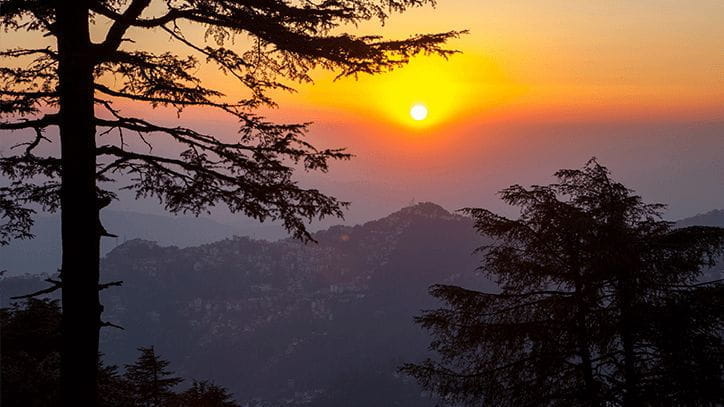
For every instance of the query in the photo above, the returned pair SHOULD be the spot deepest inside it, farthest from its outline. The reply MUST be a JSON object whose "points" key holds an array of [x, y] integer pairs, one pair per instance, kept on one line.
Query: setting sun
{"points": [[444, 89], [418, 112]]}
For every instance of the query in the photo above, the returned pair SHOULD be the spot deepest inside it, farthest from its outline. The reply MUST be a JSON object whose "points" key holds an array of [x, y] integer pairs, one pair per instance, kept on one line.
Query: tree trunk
{"points": [[79, 212], [590, 392], [630, 396]]}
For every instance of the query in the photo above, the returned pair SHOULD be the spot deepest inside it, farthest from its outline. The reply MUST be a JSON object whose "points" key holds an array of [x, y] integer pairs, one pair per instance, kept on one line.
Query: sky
{"points": [[538, 85]]}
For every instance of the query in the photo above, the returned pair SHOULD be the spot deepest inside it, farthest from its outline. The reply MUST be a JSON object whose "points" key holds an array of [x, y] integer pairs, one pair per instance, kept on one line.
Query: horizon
{"points": [[537, 86], [167, 231]]}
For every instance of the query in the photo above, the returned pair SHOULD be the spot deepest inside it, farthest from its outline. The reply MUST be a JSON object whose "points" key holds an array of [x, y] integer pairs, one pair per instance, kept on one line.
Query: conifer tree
{"points": [[30, 361], [205, 394], [93, 55], [599, 305], [113, 389], [29, 353], [150, 380]]}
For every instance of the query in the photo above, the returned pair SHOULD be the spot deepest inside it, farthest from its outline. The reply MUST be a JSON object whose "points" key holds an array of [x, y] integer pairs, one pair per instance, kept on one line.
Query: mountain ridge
{"points": [[262, 316], [342, 307], [712, 218]]}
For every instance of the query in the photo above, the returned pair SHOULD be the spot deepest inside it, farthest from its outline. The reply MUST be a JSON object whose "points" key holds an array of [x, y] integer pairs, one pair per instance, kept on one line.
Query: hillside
{"points": [[42, 254], [287, 323], [711, 218], [284, 323]]}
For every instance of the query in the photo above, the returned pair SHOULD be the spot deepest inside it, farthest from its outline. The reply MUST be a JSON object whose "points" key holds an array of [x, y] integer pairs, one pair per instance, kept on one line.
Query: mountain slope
{"points": [[290, 322], [323, 324], [711, 218], [284, 323], [42, 254]]}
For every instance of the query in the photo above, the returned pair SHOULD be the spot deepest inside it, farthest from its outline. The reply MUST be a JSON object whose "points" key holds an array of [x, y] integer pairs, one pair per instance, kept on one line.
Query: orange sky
{"points": [[545, 60], [537, 60], [524, 62], [549, 60], [540, 85]]}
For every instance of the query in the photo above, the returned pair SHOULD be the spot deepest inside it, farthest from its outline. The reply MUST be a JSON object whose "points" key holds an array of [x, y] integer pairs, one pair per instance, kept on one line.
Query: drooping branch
{"points": [[28, 15], [27, 167], [104, 286], [232, 63], [314, 17], [26, 187], [288, 39], [16, 219], [38, 125], [273, 143], [56, 285], [180, 103], [24, 52], [26, 88], [193, 182]]}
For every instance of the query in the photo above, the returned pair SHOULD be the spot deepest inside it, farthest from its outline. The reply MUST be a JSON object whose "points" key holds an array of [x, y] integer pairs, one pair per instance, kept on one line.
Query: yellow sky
{"points": [[549, 60], [532, 60], [540, 85]]}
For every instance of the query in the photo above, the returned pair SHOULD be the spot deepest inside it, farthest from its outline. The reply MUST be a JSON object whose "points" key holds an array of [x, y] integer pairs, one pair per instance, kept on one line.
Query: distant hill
{"points": [[42, 254], [285, 323], [711, 218]]}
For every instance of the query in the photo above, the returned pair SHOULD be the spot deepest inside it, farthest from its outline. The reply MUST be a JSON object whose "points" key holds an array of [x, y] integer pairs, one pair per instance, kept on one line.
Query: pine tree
{"points": [[73, 82], [598, 299], [29, 354], [30, 361], [113, 389], [204, 394], [150, 380]]}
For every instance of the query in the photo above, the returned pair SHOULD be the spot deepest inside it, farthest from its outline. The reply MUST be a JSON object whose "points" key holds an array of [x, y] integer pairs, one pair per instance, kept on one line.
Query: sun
{"points": [[418, 112]]}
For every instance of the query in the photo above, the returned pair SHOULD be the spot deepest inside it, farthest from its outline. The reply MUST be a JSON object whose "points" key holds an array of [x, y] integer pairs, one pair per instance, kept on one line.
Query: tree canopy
{"points": [[263, 46], [31, 361], [97, 54], [600, 303]]}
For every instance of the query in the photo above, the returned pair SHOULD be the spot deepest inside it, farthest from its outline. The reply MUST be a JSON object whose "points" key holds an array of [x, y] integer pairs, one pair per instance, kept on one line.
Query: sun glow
{"points": [[431, 91], [446, 90], [426, 79]]}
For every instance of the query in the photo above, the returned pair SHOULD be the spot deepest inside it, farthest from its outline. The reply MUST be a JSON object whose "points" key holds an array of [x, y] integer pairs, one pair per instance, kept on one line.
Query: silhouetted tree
{"points": [[150, 381], [30, 367], [72, 82], [204, 394], [113, 389], [598, 305], [29, 353], [30, 358], [685, 330]]}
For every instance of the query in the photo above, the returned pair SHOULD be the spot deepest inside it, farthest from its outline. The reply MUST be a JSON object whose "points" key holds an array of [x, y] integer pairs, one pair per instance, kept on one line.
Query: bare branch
{"points": [[57, 285], [121, 23], [105, 324], [109, 284], [22, 52], [45, 121]]}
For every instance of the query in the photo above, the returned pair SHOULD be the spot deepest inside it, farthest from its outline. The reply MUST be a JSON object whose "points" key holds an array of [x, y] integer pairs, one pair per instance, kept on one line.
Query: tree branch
{"points": [[57, 285], [105, 324], [45, 121], [121, 23]]}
